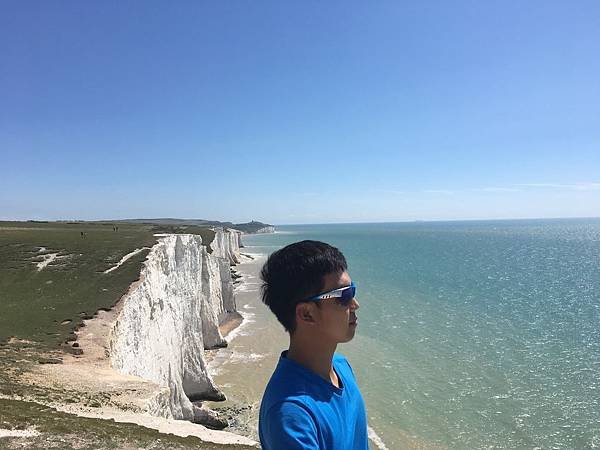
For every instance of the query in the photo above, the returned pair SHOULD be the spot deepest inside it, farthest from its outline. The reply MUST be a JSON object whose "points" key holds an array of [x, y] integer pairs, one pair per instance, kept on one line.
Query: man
{"points": [[312, 400]]}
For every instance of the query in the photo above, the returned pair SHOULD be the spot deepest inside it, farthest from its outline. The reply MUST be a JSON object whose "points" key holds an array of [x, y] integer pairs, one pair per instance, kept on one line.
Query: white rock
{"points": [[172, 316], [226, 244]]}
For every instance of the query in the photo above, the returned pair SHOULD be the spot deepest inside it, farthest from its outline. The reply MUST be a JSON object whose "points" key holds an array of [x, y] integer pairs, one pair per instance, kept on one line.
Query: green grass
{"points": [[248, 227], [47, 306], [61, 431]]}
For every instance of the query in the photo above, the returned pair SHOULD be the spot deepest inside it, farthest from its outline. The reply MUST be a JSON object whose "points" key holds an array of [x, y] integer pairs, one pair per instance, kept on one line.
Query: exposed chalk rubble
{"points": [[172, 315]]}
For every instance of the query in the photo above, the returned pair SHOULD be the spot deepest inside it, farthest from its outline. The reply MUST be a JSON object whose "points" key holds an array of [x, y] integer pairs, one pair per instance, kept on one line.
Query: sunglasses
{"points": [[342, 295]]}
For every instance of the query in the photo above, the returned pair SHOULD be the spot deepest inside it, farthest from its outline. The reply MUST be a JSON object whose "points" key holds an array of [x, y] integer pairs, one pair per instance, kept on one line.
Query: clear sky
{"points": [[299, 112]]}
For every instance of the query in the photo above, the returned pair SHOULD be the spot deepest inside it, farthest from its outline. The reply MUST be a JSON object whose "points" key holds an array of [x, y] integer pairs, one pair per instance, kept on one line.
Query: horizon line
{"points": [[504, 219], [319, 223]]}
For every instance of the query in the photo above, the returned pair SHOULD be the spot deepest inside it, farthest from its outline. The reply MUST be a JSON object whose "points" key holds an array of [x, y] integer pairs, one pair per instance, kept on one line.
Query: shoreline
{"points": [[122, 398], [254, 351], [236, 323], [231, 322], [233, 368]]}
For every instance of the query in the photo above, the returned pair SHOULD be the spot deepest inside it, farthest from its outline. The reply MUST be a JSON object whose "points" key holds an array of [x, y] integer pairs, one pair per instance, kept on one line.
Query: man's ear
{"points": [[305, 312]]}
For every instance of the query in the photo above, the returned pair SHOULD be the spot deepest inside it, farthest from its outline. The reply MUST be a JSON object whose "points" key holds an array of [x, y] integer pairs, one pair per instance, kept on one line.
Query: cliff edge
{"points": [[172, 316], [142, 361]]}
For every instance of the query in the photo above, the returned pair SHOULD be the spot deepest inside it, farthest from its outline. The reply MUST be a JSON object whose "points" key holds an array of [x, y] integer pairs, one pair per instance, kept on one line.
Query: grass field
{"points": [[41, 307], [45, 305], [60, 430]]}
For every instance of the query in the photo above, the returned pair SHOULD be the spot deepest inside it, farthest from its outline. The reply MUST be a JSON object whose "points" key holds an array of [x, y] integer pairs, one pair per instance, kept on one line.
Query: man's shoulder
{"points": [[341, 363], [339, 358], [287, 400], [285, 384]]}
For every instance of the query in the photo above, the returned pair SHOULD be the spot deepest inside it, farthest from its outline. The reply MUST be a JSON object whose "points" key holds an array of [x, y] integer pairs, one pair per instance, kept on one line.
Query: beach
{"points": [[243, 368]]}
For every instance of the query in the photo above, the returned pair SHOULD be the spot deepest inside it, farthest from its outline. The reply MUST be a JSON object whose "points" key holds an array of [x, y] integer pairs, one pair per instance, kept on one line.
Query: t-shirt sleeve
{"points": [[289, 426]]}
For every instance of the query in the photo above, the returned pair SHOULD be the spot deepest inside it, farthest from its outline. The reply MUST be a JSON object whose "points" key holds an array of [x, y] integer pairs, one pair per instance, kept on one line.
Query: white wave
{"points": [[501, 397], [248, 287], [237, 356], [374, 437], [254, 255], [215, 366], [247, 319]]}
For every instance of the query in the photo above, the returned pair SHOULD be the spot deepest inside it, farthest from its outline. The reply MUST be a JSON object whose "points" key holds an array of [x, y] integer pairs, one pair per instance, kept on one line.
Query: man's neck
{"points": [[314, 356]]}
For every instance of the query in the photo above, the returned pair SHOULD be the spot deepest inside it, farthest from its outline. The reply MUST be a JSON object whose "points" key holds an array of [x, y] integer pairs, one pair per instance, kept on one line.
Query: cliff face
{"points": [[172, 316], [226, 244]]}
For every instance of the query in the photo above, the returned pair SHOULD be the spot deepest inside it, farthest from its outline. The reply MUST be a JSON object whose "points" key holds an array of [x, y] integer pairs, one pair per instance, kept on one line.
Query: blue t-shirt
{"points": [[301, 410]]}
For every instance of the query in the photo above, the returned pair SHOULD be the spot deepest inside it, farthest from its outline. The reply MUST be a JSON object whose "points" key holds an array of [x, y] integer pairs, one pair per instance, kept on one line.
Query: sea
{"points": [[472, 335]]}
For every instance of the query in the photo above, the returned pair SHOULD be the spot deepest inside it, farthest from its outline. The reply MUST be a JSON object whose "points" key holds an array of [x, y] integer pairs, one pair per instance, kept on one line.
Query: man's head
{"points": [[294, 274]]}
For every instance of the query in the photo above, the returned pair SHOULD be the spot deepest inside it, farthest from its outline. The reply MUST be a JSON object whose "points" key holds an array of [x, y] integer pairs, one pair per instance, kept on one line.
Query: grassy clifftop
{"points": [[246, 227], [53, 275]]}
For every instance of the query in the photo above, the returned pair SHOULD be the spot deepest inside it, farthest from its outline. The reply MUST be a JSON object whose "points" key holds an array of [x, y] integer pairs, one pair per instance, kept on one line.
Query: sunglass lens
{"points": [[347, 295]]}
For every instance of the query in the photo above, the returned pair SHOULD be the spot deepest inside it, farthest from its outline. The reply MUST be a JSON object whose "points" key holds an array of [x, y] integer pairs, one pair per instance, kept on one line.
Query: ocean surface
{"points": [[471, 334]]}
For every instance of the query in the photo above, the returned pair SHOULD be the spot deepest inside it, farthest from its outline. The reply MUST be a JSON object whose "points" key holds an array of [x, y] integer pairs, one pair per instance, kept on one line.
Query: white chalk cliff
{"points": [[226, 244], [172, 315]]}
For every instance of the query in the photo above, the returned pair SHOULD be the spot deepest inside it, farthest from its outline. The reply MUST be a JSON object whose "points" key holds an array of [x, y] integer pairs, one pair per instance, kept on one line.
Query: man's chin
{"points": [[350, 335]]}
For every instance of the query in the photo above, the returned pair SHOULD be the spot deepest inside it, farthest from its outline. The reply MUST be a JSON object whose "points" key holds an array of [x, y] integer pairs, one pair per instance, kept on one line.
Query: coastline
{"points": [[93, 388], [245, 366], [241, 370]]}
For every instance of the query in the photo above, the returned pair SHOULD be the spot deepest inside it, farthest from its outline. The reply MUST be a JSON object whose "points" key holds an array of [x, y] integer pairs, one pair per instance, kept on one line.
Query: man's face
{"points": [[337, 323]]}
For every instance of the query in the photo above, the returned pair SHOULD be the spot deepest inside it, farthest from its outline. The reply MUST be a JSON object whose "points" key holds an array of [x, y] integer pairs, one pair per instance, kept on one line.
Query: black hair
{"points": [[295, 273]]}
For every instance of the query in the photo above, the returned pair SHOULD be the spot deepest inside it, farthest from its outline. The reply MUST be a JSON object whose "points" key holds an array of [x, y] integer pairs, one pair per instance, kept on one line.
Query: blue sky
{"points": [[299, 112]]}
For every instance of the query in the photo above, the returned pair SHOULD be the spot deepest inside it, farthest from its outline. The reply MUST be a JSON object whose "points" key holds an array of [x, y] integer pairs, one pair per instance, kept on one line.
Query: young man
{"points": [[312, 400]]}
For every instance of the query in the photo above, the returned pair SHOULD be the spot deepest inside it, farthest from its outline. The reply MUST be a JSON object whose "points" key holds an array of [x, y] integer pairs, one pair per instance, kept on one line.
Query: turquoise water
{"points": [[473, 334]]}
